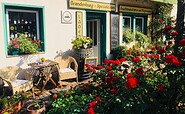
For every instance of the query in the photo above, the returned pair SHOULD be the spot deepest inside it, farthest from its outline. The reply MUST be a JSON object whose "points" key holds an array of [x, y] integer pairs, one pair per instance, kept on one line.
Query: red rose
{"points": [[132, 83], [91, 111], [106, 62], [98, 99], [92, 104], [161, 51], [109, 68], [129, 75], [182, 42], [113, 91], [39, 46], [139, 71], [173, 60], [110, 74], [174, 33], [117, 62], [145, 55], [122, 60], [160, 20], [161, 88], [128, 52], [115, 78], [136, 59]]}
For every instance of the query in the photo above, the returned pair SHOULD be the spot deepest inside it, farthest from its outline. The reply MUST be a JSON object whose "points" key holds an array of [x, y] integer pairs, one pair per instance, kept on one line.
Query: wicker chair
{"points": [[68, 67], [16, 79]]}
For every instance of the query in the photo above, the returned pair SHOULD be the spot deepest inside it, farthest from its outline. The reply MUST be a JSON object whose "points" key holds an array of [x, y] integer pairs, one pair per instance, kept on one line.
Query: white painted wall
{"points": [[58, 35], [174, 11]]}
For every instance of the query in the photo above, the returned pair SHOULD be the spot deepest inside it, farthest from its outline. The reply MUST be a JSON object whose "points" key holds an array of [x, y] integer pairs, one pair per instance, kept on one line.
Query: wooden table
{"points": [[45, 69]]}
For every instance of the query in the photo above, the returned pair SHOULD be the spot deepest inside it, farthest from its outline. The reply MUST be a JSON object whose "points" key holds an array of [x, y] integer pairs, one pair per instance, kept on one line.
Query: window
{"points": [[135, 22], [27, 21]]}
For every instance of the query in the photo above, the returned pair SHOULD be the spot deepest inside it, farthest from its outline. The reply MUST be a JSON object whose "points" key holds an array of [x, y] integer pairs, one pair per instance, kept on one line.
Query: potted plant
{"points": [[83, 47], [36, 108], [14, 103], [13, 47], [23, 45]]}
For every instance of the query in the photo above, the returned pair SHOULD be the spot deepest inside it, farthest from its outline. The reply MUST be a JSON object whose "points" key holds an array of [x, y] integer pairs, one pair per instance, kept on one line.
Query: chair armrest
{"points": [[72, 60]]}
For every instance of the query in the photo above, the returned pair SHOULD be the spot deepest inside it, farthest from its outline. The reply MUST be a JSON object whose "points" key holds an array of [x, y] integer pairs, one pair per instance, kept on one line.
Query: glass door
{"points": [[93, 31]]}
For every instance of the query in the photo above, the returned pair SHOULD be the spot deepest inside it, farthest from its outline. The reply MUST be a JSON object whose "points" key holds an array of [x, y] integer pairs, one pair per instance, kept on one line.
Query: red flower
{"points": [[106, 62], [110, 74], [122, 60], [161, 51], [128, 52], [115, 78], [139, 71], [153, 48], [98, 99], [173, 60], [129, 75], [174, 33], [87, 65], [145, 55], [132, 83], [182, 42], [117, 62], [161, 88], [136, 59], [92, 104], [91, 111], [109, 68], [160, 20], [113, 91]]}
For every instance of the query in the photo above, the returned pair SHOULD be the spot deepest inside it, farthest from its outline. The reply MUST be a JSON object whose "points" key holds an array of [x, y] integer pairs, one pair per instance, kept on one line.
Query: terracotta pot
{"points": [[31, 110], [18, 106]]}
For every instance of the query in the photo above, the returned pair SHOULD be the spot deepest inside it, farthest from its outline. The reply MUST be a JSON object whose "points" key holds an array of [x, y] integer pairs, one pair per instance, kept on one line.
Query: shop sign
{"points": [[79, 24], [66, 17], [81, 4], [135, 10]]}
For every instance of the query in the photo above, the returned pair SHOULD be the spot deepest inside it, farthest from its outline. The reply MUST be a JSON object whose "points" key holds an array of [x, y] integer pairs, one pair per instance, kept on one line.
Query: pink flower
{"points": [[16, 46], [16, 39], [10, 43]]}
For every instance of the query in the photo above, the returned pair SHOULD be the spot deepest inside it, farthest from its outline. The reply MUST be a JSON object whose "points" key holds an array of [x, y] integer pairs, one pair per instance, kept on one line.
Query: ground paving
{"points": [[46, 96]]}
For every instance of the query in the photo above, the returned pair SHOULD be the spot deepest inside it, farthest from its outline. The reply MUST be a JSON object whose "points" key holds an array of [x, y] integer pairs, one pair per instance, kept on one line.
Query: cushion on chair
{"points": [[17, 83], [64, 70]]}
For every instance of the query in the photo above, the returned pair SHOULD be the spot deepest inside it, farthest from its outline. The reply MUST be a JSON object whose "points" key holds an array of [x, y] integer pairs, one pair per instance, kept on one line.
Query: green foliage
{"points": [[119, 52], [141, 39], [81, 42], [75, 100], [128, 35]]}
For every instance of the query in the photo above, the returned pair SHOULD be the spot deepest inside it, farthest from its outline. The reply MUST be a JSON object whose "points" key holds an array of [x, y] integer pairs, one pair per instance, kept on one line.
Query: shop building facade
{"points": [[56, 23]]}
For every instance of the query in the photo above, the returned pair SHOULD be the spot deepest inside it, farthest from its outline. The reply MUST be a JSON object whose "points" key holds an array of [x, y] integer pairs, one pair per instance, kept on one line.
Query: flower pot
{"points": [[32, 110], [18, 106], [84, 53], [14, 52]]}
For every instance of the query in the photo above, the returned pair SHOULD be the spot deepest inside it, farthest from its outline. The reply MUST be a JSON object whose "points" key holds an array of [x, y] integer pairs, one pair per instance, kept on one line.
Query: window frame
{"points": [[24, 11], [42, 28]]}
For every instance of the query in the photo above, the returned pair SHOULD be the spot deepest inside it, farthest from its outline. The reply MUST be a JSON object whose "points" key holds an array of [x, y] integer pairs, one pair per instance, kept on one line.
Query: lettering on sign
{"points": [[135, 10], [79, 24], [81, 4], [90, 61]]}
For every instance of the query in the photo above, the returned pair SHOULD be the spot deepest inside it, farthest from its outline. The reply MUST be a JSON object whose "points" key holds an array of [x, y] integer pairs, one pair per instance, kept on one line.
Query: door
{"points": [[96, 29], [93, 31]]}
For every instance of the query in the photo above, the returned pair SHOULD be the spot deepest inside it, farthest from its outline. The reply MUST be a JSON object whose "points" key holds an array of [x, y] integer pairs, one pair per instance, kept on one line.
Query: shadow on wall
{"points": [[66, 53], [26, 59]]}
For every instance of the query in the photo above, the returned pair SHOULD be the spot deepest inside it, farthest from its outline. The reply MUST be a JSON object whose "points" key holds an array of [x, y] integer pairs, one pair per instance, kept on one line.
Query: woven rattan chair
{"points": [[68, 67], [16, 79]]}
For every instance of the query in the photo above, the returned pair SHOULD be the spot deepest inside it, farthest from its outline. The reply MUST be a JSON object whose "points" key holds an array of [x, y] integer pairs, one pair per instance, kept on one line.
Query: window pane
{"points": [[22, 22], [126, 23], [139, 24]]}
